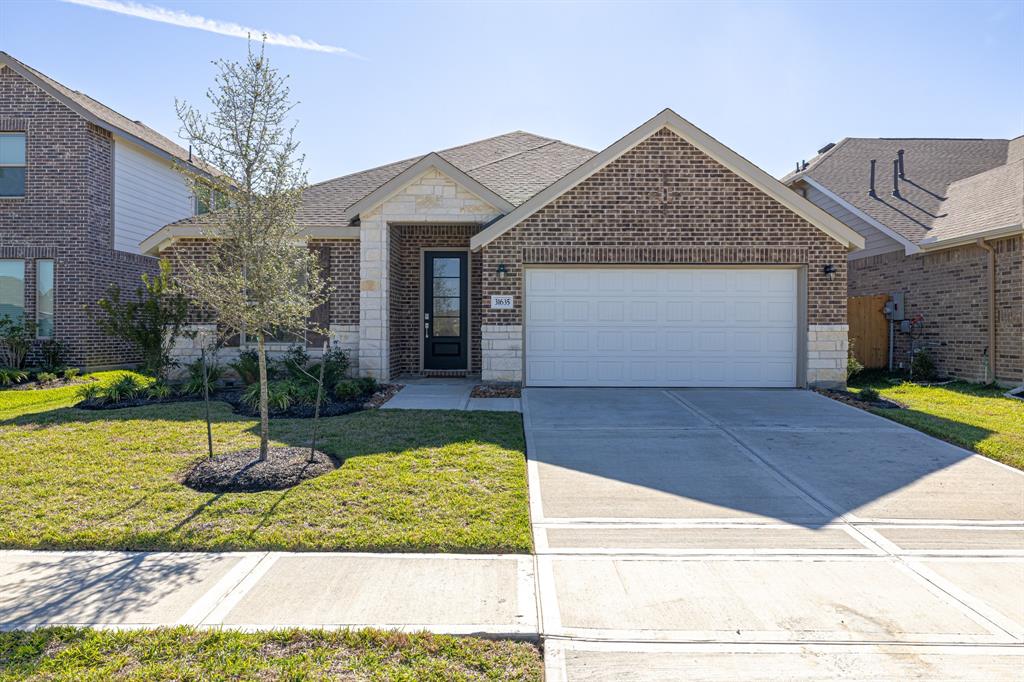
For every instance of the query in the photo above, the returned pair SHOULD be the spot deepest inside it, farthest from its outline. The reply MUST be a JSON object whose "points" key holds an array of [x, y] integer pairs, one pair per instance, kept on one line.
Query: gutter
{"points": [[990, 371]]}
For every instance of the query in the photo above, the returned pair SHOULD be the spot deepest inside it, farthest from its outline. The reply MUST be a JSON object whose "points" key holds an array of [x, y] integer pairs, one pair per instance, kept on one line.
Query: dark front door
{"points": [[445, 318]]}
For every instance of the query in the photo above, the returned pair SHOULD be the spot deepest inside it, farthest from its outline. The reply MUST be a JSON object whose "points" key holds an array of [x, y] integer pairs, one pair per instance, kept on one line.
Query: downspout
{"points": [[991, 368]]}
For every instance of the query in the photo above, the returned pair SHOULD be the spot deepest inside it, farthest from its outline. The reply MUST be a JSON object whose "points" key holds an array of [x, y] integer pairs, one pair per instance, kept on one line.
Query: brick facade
{"points": [[406, 246], [950, 289], [666, 202], [66, 215]]}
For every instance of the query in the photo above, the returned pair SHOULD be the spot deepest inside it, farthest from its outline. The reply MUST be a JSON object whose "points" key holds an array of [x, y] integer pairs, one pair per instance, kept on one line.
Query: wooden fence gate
{"points": [[869, 330]]}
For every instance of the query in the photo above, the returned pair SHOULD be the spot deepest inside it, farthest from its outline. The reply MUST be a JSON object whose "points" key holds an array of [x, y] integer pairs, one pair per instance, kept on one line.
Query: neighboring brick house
{"points": [[80, 186], [943, 227], [664, 260]]}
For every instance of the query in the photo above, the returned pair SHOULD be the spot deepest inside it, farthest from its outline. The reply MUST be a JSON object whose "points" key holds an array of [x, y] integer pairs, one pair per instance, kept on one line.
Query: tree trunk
{"points": [[261, 353]]}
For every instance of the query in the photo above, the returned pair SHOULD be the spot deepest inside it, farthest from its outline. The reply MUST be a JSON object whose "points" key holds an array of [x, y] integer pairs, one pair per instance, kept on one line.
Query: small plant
{"points": [[159, 390], [70, 373], [247, 367], [53, 353], [9, 375], [922, 366], [869, 395], [194, 384], [853, 366], [293, 363], [280, 395], [15, 341], [347, 389], [368, 384], [92, 393], [125, 388], [336, 364], [45, 377]]}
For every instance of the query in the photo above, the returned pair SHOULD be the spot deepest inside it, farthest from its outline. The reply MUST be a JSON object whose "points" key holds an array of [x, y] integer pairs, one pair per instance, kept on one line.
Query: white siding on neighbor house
{"points": [[148, 194], [875, 241]]}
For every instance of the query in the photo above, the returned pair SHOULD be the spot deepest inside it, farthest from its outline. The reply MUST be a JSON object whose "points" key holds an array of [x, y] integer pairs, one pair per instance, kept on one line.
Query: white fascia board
{"points": [[909, 247], [168, 234], [435, 161]]}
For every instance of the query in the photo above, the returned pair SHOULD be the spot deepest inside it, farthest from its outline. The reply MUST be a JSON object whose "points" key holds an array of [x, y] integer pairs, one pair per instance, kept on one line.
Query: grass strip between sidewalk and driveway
{"points": [[973, 416], [424, 481], [186, 654]]}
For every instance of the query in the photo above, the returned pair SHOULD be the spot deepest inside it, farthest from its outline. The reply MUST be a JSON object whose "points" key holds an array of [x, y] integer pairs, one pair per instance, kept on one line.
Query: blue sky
{"points": [[775, 81]]}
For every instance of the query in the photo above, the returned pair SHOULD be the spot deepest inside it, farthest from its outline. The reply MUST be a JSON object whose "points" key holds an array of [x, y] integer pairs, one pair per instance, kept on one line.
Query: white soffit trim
{"points": [[438, 162], [909, 247], [702, 141], [166, 235], [994, 233]]}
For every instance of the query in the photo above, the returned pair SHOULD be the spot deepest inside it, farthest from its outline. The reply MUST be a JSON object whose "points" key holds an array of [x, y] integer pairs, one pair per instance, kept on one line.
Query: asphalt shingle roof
{"points": [[109, 116], [952, 187]]}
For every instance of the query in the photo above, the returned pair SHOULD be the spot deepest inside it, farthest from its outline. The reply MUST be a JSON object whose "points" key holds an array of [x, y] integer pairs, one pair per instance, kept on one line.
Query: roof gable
{"points": [[706, 144], [439, 163], [103, 116]]}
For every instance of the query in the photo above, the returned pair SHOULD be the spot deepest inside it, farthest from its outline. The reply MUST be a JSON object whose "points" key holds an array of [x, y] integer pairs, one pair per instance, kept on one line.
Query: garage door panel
{"points": [[661, 327]]}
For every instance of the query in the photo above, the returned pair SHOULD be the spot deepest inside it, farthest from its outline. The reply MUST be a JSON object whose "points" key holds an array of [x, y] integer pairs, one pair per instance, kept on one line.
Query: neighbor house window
{"points": [[12, 290], [44, 299], [12, 164], [207, 198]]}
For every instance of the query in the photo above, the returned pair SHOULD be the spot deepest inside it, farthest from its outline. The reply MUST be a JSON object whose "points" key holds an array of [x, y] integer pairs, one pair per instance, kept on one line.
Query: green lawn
{"points": [[185, 654], [973, 416], [410, 481]]}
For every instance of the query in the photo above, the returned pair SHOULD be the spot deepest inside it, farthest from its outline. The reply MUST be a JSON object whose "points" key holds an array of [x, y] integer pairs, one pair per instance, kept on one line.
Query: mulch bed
{"points": [[496, 391], [328, 408], [854, 400], [244, 472]]}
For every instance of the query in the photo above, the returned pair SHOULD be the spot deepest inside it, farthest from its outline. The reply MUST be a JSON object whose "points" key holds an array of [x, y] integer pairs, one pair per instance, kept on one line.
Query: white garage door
{"points": [[661, 327]]}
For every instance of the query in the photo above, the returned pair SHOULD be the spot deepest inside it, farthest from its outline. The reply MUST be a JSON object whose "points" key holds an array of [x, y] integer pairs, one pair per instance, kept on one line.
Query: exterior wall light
{"points": [[830, 271], [502, 271]]}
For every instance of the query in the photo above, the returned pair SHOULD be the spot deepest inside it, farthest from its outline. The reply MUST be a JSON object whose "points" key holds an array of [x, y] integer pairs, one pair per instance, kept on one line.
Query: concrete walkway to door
{"points": [[713, 534], [435, 393]]}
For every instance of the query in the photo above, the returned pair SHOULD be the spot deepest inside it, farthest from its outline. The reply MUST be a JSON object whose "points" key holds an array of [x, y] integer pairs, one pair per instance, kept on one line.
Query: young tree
{"points": [[260, 279]]}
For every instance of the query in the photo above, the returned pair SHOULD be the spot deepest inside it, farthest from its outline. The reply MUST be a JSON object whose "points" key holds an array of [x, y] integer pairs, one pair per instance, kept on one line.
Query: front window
{"points": [[12, 290], [44, 299], [12, 164]]}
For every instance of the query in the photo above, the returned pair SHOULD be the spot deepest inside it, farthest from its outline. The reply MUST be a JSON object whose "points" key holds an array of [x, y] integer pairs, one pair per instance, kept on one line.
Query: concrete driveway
{"points": [[714, 534]]}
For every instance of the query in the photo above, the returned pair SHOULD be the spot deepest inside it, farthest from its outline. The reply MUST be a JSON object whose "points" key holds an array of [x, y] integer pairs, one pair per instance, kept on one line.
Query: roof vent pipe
{"points": [[871, 181], [899, 155], [896, 178], [797, 166]]}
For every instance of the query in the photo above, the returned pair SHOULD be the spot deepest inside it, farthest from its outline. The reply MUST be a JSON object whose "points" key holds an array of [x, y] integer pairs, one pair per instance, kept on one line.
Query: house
{"points": [[942, 224], [80, 187], [666, 259]]}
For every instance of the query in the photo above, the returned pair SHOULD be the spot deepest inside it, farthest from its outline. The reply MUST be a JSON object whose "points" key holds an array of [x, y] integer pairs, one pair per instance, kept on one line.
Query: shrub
{"points": [[922, 366], [159, 390], [70, 373], [247, 366], [9, 375], [336, 366], [53, 353], [368, 384], [869, 394], [92, 393], [195, 382], [348, 389], [15, 341], [293, 363], [45, 377], [280, 395], [151, 321], [125, 388]]}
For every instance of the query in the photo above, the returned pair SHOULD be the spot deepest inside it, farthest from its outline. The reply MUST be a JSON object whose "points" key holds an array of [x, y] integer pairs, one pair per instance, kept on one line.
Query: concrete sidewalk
{"points": [[432, 393], [444, 593]]}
